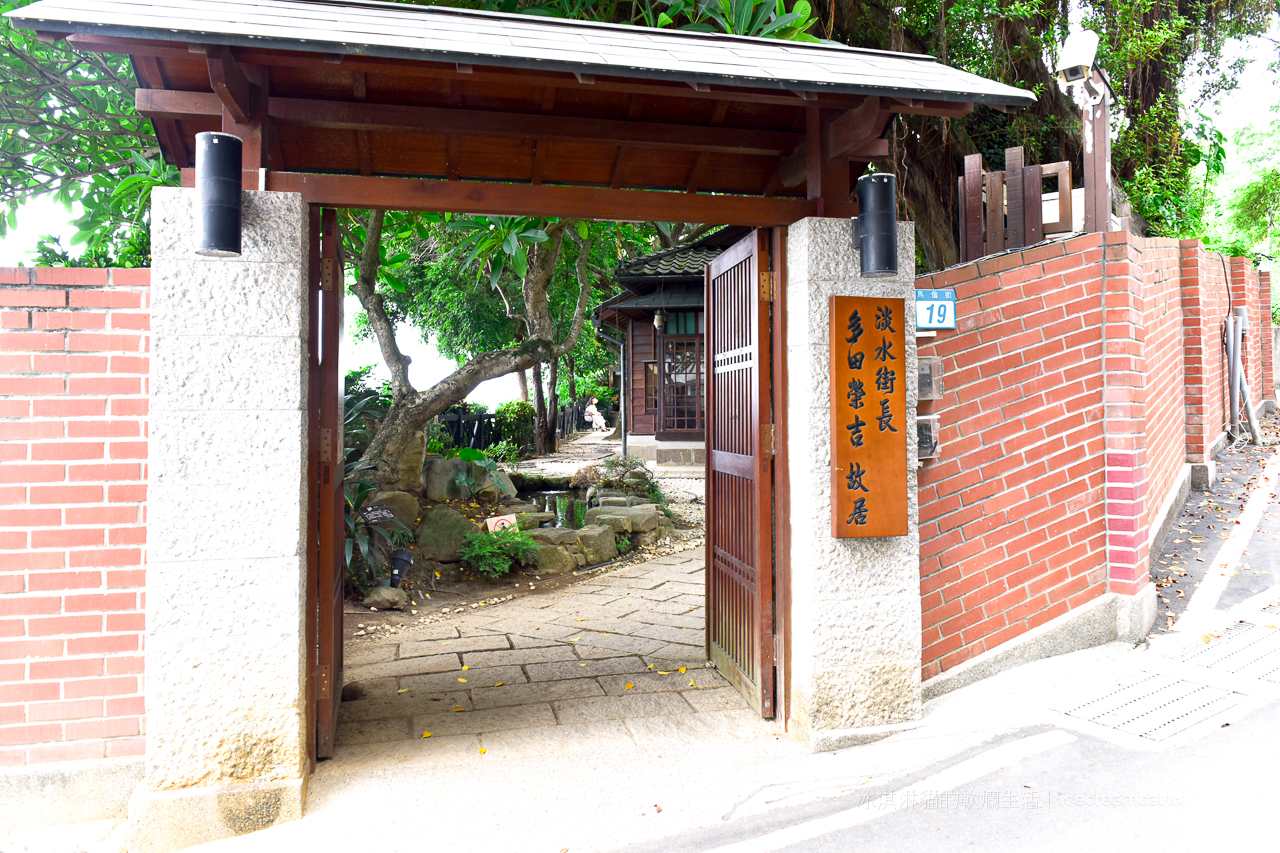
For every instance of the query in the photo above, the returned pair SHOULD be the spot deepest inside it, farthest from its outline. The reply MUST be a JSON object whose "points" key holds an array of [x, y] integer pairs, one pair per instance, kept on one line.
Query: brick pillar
{"points": [[226, 747], [1124, 415], [1204, 304], [1266, 339]]}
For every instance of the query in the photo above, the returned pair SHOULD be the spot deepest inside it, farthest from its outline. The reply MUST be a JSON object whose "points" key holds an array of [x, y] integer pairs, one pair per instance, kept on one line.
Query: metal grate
{"points": [[1154, 706], [1273, 607], [1251, 651]]}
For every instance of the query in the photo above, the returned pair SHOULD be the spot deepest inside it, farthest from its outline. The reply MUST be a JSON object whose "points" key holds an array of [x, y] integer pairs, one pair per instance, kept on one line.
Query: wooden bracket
{"points": [[767, 444], [766, 286], [326, 445], [328, 273], [230, 83]]}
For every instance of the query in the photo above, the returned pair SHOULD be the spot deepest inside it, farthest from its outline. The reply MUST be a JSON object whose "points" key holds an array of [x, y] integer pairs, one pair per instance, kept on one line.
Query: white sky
{"points": [[1253, 102]]}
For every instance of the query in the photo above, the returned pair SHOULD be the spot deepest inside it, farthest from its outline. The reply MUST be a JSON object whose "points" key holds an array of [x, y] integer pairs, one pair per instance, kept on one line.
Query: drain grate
{"points": [[1154, 706], [1251, 651], [1273, 607]]}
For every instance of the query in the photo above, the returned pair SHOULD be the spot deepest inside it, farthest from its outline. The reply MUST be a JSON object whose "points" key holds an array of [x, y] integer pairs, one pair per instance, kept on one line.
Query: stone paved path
{"points": [[605, 651]]}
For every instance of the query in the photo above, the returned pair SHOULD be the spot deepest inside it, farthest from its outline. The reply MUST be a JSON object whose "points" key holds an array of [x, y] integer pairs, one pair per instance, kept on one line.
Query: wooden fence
{"points": [[1005, 210]]}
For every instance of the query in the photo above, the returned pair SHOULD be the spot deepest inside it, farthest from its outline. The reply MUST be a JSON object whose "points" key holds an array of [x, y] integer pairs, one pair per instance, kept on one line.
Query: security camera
{"points": [[1075, 62]]}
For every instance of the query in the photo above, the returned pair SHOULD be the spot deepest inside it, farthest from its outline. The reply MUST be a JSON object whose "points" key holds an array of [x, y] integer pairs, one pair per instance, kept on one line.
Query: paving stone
{"points": [[584, 669], [690, 600], [443, 681], [530, 694], [673, 607], [609, 737], [609, 626], [402, 705], [654, 682], [519, 657], [620, 707], [489, 720], [623, 643], [685, 655], [373, 731], [716, 699], [375, 686], [416, 752], [486, 642], [541, 628], [672, 620], [668, 634], [704, 727], [659, 594], [363, 654], [412, 666], [521, 642]]}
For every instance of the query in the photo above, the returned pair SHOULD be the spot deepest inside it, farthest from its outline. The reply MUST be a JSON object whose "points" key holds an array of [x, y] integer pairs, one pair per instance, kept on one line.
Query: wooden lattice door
{"points": [[739, 571]]}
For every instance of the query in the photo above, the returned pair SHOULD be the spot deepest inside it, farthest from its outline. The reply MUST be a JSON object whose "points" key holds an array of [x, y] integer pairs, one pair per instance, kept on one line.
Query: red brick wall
{"points": [[1011, 517], [74, 350], [1065, 428]]}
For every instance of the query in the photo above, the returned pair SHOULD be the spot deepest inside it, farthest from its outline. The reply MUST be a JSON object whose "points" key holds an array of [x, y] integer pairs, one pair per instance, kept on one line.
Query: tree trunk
{"points": [[523, 378], [544, 433], [553, 398], [573, 380]]}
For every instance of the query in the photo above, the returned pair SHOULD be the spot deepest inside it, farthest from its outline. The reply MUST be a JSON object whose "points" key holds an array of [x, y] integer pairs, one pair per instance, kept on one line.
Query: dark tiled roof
{"points": [[687, 262], [664, 299]]}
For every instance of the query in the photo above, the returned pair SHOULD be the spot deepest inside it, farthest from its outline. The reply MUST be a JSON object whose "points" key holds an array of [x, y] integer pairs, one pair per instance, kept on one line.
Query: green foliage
{"points": [[367, 549], [506, 452], [514, 421], [467, 481], [590, 386], [363, 408], [624, 544], [495, 554]]}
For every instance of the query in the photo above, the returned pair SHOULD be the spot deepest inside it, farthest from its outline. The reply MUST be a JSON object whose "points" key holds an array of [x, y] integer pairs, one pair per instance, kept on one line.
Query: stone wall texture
{"points": [[855, 602], [1078, 387], [74, 363]]}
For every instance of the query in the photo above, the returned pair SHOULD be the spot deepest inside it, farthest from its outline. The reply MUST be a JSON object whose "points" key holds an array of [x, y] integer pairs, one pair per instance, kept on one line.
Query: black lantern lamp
{"points": [[875, 230], [218, 194]]}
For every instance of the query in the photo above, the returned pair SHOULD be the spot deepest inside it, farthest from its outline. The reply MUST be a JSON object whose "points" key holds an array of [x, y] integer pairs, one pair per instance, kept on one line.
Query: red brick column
{"points": [[73, 448], [1124, 415], [1265, 338], [1204, 304]]}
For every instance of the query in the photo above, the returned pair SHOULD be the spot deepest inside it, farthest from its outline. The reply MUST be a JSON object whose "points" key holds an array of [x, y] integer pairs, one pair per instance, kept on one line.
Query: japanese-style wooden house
{"points": [[660, 312]]}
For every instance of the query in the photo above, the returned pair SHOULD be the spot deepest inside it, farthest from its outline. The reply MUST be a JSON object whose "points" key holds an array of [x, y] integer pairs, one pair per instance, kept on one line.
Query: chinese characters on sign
{"points": [[868, 417]]}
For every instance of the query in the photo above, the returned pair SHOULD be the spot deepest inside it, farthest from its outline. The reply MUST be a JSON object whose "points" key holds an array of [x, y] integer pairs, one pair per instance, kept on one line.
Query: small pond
{"points": [[569, 507]]}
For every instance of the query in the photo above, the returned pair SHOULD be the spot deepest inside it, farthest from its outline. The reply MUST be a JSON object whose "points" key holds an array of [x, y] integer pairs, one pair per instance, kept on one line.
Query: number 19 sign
{"points": [[935, 309]]}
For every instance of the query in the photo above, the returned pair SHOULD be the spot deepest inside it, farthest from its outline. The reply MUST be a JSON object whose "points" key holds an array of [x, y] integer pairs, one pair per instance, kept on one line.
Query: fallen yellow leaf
{"points": [[664, 672], [403, 690], [691, 684], [465, 667], [426, 734], [684, 669], [629, 686], [650, 666], [463, 680], [483, 750], [574, 639], [500, 683], [604, 635], [582, 664]]}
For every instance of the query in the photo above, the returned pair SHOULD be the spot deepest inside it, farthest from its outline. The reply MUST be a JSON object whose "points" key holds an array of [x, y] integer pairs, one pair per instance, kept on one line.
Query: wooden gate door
{"points": [[739, 570], [325, 533]]}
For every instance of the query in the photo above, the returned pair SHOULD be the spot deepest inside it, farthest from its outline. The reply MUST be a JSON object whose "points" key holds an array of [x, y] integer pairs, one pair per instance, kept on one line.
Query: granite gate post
{"points": [[855, 631], [226, 574]]}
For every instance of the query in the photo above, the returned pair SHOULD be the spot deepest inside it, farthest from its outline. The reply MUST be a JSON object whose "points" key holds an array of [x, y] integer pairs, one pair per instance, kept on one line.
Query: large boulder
{"points": [[441, 533], [533, 520], [404, 505], [439, 478], [409, 466], [386, 598], [643, 518], [553, 560], [619, 524], [598, 544], [554, 536], [657, 534]]}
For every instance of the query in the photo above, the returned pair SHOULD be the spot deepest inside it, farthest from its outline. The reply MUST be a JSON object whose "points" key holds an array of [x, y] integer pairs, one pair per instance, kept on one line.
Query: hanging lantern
{"points": [[218, 194], [659, 320], [875, 231]]}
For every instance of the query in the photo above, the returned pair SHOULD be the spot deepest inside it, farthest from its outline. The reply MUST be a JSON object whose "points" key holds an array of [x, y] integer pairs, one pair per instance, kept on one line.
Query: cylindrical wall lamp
{"points": [[218, 194], [875, 231]]}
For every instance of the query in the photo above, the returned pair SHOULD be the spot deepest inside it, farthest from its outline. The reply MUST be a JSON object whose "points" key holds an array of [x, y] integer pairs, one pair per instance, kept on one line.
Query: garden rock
{"points": [[619, 524], [651, 537], [555, 561], [438, 476], [598, 544], [534, 520], [554, 536], [441, 533], [387, 598], [643, 518], [614, 502], [403, 504], [409, 466], [503, 481]]}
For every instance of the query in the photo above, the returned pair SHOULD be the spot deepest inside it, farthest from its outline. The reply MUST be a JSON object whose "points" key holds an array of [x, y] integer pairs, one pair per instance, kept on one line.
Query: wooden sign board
{"points": [[869, 428]]}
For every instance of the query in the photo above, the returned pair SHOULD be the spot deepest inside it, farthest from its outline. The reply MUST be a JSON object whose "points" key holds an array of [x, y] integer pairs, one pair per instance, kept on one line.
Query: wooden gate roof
{"points": [[390, 105]]}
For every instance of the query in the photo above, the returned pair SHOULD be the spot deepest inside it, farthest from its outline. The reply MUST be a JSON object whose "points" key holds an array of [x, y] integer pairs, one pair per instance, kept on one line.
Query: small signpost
{"points": [[374, 514], [935, 309]]}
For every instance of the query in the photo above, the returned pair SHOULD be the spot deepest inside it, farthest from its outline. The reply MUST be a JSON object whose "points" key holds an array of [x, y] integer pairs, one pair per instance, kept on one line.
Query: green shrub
{"points": [[514, 421], [494, 554], [624, 544], [505, 451]]}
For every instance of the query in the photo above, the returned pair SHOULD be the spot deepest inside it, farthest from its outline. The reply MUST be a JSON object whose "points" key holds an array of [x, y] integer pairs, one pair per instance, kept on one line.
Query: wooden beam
{"points": [[364, 148], [718, 113], [853, 127], [238, 94], [254, 131], [347, 115], [624, 153], [479, 198], [540, 148], [171, 140], [1016, 227]]}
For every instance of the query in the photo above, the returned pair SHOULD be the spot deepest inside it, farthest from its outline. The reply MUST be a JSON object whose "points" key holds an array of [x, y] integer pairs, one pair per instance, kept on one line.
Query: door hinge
{"points": [[324, 682], [328, 273], [326, 445], [766, 286], [767, 445]]}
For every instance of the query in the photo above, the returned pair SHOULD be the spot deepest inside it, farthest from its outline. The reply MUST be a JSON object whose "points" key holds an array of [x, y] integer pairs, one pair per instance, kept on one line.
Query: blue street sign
{"points": [[935, 309]]}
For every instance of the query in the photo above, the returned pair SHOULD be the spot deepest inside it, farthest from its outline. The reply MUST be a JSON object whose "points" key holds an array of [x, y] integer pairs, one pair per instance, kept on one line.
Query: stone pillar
{"points": [[856, 638], [226, 574]]}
